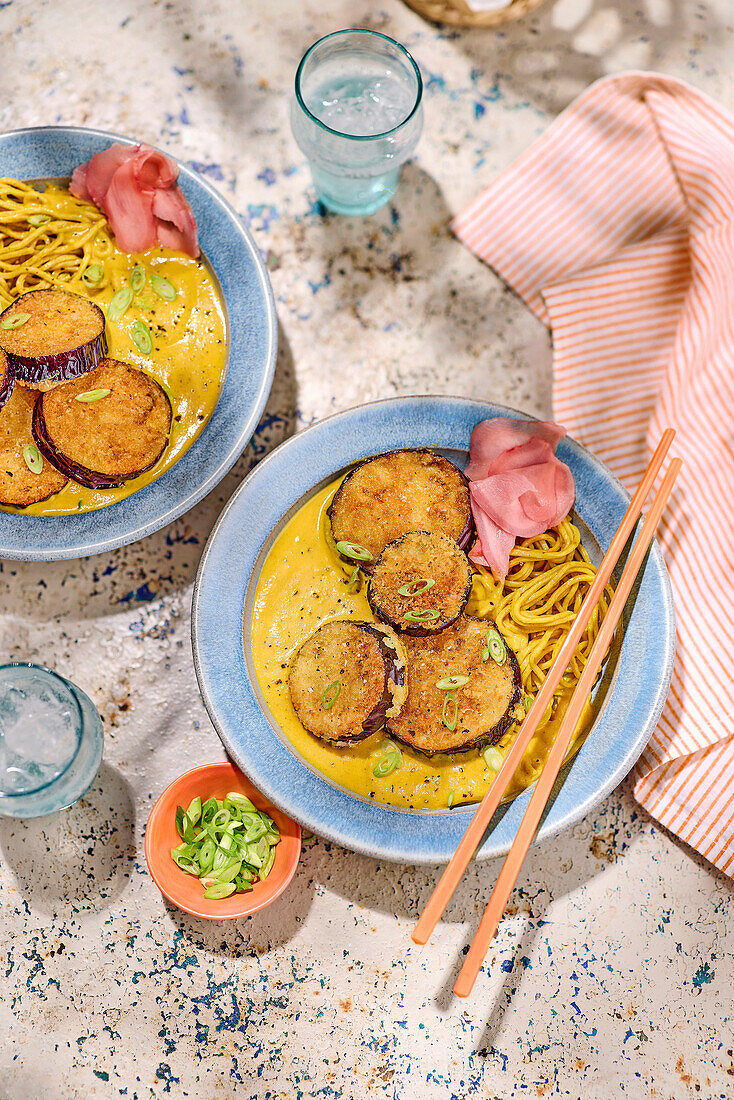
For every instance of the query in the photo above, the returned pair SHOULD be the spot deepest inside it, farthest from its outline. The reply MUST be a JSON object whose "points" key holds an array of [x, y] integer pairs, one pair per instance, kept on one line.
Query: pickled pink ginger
{"points": [[518, 487], [136, 187]]}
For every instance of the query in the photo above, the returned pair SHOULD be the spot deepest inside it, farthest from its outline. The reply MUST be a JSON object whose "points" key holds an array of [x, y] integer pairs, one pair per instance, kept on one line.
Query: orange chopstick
{"points": [[459, 862], [534, 812]]}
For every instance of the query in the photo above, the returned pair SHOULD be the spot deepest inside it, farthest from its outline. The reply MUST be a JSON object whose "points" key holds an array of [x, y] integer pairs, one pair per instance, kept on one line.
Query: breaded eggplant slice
{"points": [[421, 583], [19, 485], [51, 337], [7, 379], [400, 491], [347, 679], [105, 428], [486, 706]]}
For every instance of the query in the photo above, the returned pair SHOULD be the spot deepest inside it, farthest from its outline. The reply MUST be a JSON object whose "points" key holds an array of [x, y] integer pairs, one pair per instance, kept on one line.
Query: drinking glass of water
{"points": [[357, 116], [50, 741]]}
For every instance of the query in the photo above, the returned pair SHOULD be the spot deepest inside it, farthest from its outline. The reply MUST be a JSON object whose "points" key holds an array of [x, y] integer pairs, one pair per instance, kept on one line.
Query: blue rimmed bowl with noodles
{"points": [[285, 600], [138, 341]]}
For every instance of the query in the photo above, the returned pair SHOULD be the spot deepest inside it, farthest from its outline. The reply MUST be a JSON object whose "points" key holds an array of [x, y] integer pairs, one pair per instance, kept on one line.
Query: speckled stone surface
{"points": [[612, 973]]}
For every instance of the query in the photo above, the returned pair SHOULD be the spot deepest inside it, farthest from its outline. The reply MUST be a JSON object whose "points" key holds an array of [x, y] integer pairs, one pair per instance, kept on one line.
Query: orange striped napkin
{"points": [[617, 229]]}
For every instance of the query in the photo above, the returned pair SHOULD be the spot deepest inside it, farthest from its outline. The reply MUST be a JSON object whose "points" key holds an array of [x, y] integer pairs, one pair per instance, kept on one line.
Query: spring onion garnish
{"points": [[121, 300], [450, 712], [495, 647], [15, 321], [142, 338], [39, 219], [390, 761], [527, 702], [331, 694], [423, 583], [450, 799], [92, 395], [163, 288], [33, 458], [354, 550], [428, 616], [227, 843], [353, 579], [93, 274], [450, 683], [137, 278], [493, 758]]}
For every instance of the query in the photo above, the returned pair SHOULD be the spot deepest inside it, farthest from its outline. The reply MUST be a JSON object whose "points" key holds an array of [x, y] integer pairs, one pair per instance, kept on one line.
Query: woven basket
{"points": [[460, 14]]}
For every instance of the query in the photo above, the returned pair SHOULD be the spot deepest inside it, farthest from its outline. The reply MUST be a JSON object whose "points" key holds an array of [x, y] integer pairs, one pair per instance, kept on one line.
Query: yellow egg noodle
{"points": [[533, 608]]}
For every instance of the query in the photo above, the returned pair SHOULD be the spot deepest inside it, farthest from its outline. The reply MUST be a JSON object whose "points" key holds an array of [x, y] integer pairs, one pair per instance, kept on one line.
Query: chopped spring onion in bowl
{"points": [[228, 844], [214, 819]]}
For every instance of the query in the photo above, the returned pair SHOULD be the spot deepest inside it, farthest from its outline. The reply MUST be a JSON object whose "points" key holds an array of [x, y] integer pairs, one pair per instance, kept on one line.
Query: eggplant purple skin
{"points": [[65, 366], [6, 385], [394, 673], [89, 478]]}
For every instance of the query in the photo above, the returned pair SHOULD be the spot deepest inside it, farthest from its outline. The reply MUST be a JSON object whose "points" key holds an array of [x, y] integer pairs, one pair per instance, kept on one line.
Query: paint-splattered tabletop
{"points": [[612, 972]]}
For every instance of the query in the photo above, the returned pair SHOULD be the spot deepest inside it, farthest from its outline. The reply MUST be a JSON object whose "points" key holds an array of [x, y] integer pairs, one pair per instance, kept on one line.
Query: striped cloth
{"points": [[617, 229]]}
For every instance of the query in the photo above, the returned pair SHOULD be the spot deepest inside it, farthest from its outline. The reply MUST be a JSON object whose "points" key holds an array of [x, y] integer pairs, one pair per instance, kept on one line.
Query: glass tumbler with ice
{"points": [[50, 741], [357, 116]]}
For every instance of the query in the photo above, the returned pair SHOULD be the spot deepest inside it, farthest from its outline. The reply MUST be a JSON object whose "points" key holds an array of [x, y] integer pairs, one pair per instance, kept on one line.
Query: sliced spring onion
{"points": [[137, 278], [120, 302], [228, 844], [450, 712], [92, 395], [93, 274], [39, 219], [493, 758], [163, 288], [354, 550], [219, 890], [331, 694], [423, 584], [33, 458], [15, 321], [450, 799], [353, 579], [428, 616], [527, 702], [495, 648], [142, 338], [388, 763], [450, 683]]}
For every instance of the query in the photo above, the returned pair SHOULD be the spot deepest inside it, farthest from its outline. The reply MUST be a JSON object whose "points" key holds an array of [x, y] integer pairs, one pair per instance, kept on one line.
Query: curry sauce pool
{"points": [[303, 585]]}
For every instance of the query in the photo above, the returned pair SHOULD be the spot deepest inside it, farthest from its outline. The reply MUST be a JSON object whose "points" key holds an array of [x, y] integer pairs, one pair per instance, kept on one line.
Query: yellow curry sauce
{"points": [[301, 586], [188, 357]]}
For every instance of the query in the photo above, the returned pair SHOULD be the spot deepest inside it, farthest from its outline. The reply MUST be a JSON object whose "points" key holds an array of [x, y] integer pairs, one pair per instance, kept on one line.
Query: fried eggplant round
{"points": [[421, 583], [459, 696], [393, 493], [25, 478], [347, 679], [51, 337], [105, 428]]}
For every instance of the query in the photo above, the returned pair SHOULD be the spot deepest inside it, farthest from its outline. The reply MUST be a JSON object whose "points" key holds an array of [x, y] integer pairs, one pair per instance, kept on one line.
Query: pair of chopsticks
{"points": [[528, 826]]}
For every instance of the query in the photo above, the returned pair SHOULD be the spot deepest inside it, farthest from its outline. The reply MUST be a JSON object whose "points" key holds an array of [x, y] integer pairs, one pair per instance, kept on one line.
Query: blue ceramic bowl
{"points": [[634, 686], [53, 151]]}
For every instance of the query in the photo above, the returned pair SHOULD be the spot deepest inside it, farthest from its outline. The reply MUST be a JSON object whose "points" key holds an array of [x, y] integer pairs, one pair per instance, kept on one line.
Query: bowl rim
{"points": [[435, 853], [151, 854], [92, 537]]}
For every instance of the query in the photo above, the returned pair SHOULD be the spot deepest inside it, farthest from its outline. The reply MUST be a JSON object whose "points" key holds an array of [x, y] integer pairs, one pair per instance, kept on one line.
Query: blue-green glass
{"points": [[357, 116], [50, 741]]}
